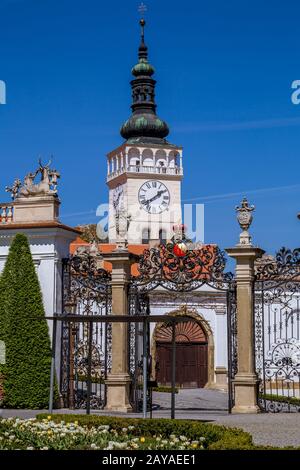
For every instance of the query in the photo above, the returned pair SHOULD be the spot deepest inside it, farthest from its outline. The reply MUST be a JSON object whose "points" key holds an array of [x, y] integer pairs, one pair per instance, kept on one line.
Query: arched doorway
{"points": [[191, 355]]}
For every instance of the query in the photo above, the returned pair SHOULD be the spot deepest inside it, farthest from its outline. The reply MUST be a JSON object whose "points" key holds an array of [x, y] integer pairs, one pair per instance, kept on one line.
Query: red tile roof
{"points": [[108, 248]]}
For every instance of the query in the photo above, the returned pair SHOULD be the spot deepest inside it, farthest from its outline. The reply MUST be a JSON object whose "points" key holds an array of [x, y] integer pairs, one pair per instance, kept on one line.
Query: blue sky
{"points": [[224, 72]]}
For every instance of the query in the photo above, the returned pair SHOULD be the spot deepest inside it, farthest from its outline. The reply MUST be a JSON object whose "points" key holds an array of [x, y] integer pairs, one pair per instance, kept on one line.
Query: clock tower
{"points": [[144, 174]]}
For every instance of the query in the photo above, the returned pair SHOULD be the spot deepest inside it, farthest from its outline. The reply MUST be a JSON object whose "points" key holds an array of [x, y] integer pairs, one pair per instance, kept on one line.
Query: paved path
{"points": [[274, 429], [279, 429]]}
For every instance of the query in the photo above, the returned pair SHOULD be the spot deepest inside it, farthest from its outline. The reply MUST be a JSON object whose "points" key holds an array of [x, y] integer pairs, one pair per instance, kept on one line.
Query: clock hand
{"points": [[147, 201], [158, 194]]}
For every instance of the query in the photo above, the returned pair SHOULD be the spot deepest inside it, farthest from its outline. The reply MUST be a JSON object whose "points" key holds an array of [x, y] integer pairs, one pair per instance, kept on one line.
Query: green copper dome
{"points": [[144, 125], [142, 68]]}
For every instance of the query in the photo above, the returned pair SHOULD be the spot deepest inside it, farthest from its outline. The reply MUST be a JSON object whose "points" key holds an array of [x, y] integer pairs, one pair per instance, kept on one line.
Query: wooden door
{"points": [[191, 364]]}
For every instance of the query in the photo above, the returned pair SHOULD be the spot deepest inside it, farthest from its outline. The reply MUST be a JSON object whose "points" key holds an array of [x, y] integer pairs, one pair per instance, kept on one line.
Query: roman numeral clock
{"points": [[144, 174], [154, 197]]}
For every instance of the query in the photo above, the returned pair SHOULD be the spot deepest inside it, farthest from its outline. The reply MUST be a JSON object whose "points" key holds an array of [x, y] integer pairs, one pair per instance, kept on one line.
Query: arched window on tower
{"points": [[162, 236], [145, 236]]}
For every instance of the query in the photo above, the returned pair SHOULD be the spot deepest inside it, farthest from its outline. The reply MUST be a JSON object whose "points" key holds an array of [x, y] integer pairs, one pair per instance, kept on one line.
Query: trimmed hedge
{"points": [[216, 437], [281, 399], [23, 327], [163, 389]]}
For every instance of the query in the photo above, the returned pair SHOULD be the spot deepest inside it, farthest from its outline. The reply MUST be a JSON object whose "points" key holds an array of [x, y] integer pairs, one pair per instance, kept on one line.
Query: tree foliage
{"points": [[23, 327]]}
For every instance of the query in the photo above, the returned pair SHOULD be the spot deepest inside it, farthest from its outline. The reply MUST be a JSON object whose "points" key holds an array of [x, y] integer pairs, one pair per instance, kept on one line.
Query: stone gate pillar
{"points": [[246, 381], [118, 380]]}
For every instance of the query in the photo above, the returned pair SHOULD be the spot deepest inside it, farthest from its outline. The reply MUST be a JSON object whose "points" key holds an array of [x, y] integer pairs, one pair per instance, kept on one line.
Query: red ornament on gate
{"points": [[180, 249]]}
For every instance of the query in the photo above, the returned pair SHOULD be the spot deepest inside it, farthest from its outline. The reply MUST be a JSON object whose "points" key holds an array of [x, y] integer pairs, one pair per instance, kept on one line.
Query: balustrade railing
{"points": [[147, 169], [6, 213]]}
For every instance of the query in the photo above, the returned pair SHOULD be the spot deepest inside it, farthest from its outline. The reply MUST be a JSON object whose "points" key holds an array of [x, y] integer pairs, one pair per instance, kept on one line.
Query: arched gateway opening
{"points": [[191, 355]]}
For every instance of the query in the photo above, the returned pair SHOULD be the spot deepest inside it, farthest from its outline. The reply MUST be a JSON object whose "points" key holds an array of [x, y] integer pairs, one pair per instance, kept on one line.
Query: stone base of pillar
{"points": [[221, 378], [245, 393], [118, 393]]}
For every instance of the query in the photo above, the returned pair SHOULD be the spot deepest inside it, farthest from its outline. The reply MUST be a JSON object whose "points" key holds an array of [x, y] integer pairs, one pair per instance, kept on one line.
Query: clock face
{"points": [[117, 196], [154, 197]]}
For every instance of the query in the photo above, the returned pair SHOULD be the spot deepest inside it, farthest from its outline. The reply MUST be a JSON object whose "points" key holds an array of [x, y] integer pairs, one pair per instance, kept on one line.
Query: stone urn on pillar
{"points": [[246, 381]]}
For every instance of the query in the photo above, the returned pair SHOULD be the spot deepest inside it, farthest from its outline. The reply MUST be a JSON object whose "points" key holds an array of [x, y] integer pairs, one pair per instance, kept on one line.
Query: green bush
{"points": [[24, 329], [163, 389], [216, 437], [281, 399]]}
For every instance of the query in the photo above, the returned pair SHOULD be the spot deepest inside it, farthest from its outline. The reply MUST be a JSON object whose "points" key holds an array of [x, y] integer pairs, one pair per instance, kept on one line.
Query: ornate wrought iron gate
{"points": [[85, 344], [277, 331], [138, 305], [178, 271]]}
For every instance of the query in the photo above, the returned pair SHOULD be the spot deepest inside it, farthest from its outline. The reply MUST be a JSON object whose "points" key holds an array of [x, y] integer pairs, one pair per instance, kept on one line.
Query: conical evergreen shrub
{"points": [[23, 327]]}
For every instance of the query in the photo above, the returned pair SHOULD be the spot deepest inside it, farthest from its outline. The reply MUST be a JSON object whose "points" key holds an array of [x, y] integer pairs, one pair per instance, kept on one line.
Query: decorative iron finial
{"points": [[143, 50], [245, 218], [142, 10]]}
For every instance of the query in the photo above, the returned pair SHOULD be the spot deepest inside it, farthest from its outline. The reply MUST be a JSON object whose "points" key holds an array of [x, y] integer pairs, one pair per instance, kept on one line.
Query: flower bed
{"points": [[80, 432]]}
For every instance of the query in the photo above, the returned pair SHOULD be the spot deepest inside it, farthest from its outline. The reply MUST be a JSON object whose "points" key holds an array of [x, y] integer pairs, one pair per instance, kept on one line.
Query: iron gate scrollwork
{"points": [[176, 268], [138, 305], [277, 331], [85, 345]]}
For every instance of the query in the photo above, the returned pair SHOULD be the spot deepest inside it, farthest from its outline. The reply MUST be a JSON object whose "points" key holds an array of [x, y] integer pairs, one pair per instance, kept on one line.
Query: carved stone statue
{"points": [[14, 189], [122, 221], [45, 187]]}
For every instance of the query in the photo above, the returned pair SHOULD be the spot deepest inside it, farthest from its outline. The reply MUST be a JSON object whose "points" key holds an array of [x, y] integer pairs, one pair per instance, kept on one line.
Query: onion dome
{"points": [[142, 68], [144, 125]]}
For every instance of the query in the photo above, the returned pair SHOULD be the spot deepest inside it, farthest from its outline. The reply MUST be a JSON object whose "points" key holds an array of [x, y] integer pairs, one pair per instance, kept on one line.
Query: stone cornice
{"points": [[37, 225]]}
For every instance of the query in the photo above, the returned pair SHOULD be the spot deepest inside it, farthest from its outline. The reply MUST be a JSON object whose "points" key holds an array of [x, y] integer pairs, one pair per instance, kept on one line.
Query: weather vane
{"points": [[142, 9]]}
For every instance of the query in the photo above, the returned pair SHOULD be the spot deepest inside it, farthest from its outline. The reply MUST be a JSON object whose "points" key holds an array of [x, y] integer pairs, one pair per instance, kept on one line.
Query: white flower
{"points": [[104, 426], [30, 448]]}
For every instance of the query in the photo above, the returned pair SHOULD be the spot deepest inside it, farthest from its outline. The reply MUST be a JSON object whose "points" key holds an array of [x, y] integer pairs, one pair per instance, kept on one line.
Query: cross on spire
{"points": [[142, 9]]}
